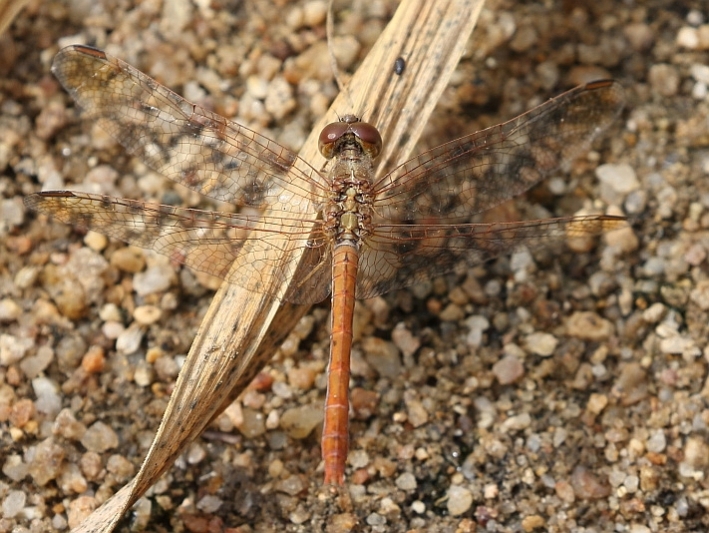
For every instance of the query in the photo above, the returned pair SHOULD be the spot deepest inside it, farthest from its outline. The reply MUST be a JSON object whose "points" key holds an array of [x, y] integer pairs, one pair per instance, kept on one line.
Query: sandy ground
{"points": [[563, 391]]}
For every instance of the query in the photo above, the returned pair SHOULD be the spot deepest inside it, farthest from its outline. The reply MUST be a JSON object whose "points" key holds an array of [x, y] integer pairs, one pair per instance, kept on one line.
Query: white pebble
{"points": [[13, 503], [406, 481], [99, 438], [542, 344], [157, 278], [688, 37], [12, 349], [48, 399], [129, 340], [459, 500]]}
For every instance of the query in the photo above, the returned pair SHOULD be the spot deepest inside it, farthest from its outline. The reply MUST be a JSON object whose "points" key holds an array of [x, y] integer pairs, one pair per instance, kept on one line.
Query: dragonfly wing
{"points": [[182, 141], [396, 256], [465, 177], [205, 241], [312, 281]]}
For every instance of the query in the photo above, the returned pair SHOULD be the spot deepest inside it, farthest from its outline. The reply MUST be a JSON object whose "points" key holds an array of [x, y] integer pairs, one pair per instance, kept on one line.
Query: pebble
{"points": [[631, 384], [96, 241], [67, 426], [542, 344], [459, 501], [694, 38], [491, 491], [45, 461], [99, 437], [15, 468], [71, 479], [129, 259], [655, 313], [587, 325], [406, 481], [477, 325], [157, 278], [279, 100], [9, 310], [143, 374], [415, 410], [565, 491], [524, 38], [657, 441], [290, 346], [209, 504], [299, 422], [88, 268], [112, 330], [596, 403], [282, 390], [257, 86], [618, 180], [487, 412], [110, 312], [94, 361], [26, 277], [314, 13], [22, 412], [696, 454], [695, 255], [364, 402], [700, 294], [273, 420], [343, 523], [33, 365], [13, 349], [516, 423], [678, 344], [129, 340], [383, 356], [639, 35], [587, 486], [452, 313], [375, 520], [79, 509], [13, 503], [508, 370], [302, 377], [664, 79], [404, 340], [530, 523], [48, 399], [233, 416], [146, 315]]}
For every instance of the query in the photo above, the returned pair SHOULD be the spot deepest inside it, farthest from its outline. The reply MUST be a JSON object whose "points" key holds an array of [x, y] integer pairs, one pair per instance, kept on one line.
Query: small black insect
{"points": [[399, 66]]}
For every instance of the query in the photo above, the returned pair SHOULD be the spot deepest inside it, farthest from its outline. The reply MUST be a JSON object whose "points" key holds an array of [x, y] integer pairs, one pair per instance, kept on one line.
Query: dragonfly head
{"points": [[364, 134]]}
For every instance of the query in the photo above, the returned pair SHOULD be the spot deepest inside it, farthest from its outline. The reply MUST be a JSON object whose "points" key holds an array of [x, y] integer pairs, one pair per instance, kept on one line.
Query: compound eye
{"points": [[369, 136], [329, 136]]}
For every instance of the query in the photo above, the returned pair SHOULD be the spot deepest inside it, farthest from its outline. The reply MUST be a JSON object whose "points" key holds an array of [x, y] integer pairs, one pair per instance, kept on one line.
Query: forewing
{"points": [[182, 141], [205, 241], [396, 256], [458, 180]]}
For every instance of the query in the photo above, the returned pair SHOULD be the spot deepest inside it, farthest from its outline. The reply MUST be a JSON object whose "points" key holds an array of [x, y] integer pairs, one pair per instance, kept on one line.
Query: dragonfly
{"points": [[364, 236]]}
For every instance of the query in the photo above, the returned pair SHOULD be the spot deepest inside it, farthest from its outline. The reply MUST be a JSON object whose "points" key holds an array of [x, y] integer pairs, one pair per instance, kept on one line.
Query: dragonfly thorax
{"points": [[348, 216]]}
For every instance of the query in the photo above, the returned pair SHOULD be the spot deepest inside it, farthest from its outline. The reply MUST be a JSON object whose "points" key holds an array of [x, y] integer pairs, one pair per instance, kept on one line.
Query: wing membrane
{"points": [[205, 241], [462, 178], [398, 255], [182, 141]]}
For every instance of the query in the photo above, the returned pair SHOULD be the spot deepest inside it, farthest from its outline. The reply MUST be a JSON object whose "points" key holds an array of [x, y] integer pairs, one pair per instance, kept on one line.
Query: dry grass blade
{"points": [[242, 329], [9, 9]]}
